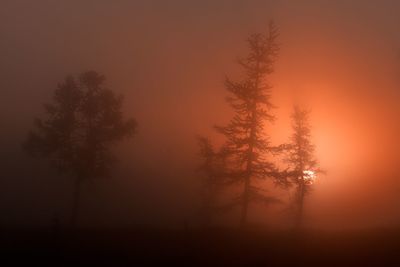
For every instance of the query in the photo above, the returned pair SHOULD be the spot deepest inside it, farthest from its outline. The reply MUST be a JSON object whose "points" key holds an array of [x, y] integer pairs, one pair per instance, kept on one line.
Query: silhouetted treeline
{"points": [[247, 152], [85, 120]]}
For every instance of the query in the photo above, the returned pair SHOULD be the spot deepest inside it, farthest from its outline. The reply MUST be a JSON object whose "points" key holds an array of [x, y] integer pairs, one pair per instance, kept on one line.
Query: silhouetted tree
{"points": [[247, 140], [79, 129], [303, 167], [213, 179]]}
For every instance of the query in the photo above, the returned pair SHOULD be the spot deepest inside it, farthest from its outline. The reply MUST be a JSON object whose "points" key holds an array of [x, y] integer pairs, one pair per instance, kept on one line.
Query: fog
{"points": [[169, 59]]}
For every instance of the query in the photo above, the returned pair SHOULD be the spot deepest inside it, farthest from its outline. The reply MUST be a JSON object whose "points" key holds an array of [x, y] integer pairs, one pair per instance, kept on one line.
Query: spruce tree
{"points": [[247, 140], [303, 166]]}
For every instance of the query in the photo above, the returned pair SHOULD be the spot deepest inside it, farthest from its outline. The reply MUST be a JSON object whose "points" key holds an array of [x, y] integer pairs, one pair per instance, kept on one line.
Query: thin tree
{"points": [[303, 166], [212, 167], [79, 129], [246, 138]]}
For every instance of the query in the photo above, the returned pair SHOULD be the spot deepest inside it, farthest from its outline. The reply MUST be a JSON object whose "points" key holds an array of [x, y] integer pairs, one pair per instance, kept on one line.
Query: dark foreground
{"points": [[216, 247]]}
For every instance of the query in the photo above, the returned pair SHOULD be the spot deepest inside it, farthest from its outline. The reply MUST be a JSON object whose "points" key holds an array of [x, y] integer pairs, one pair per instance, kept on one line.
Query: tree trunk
{"points": [[249, 164], [299, 221], [76, 203], [243, 218], [249, 168]]}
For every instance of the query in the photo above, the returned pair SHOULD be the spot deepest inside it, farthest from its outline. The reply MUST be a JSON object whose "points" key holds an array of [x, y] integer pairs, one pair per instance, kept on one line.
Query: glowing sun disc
{"points": [[309, 176]]}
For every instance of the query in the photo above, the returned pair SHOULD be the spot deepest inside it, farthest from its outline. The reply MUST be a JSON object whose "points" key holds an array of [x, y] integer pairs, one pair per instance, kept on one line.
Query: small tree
{"points": [[208, 182], [213, 168], [247, 140], [303, 167], [79, 129]]}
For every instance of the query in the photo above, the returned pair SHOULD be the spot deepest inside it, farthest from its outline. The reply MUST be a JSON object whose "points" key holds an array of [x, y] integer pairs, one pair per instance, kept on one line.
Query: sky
{"points": [[169, 59]]}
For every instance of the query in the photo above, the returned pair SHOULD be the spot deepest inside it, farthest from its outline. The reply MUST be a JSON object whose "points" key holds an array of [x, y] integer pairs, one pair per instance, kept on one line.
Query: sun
{"points": [[309, 177]]}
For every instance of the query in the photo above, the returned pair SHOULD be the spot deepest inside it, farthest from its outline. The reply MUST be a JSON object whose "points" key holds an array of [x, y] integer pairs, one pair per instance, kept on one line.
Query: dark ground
{"points": [[213, 247]]}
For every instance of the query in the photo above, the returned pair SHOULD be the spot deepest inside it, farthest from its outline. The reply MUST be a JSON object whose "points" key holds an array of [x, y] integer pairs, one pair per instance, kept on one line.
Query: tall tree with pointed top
{"points": [[303, 166], [246, 138], [79, 129]]}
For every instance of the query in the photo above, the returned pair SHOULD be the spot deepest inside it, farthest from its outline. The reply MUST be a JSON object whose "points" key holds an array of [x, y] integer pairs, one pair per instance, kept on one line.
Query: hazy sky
{"points": [[170, 58]]}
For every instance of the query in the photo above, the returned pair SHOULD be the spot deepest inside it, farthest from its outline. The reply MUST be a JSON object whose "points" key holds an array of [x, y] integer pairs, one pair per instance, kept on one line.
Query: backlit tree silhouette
{"points": [[303, 166], [246, 139], [78, 130]]}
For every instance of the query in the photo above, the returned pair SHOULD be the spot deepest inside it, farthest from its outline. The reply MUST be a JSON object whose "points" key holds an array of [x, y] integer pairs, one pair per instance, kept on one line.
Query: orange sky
{"points": [[339, 58]]}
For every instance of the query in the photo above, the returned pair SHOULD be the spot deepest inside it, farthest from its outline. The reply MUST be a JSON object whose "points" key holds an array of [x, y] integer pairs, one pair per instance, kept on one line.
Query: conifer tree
{"points": [[303, 166], [246, 139]]}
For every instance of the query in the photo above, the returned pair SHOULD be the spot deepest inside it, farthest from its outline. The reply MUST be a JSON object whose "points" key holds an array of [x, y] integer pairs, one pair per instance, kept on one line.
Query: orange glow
{"points": [[170, 64]]}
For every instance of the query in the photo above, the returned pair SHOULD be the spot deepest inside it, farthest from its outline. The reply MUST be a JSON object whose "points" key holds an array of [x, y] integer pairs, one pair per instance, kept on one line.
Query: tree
{"points": [[246, 138], [79, 129], [303, 167], [213, 179]]}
